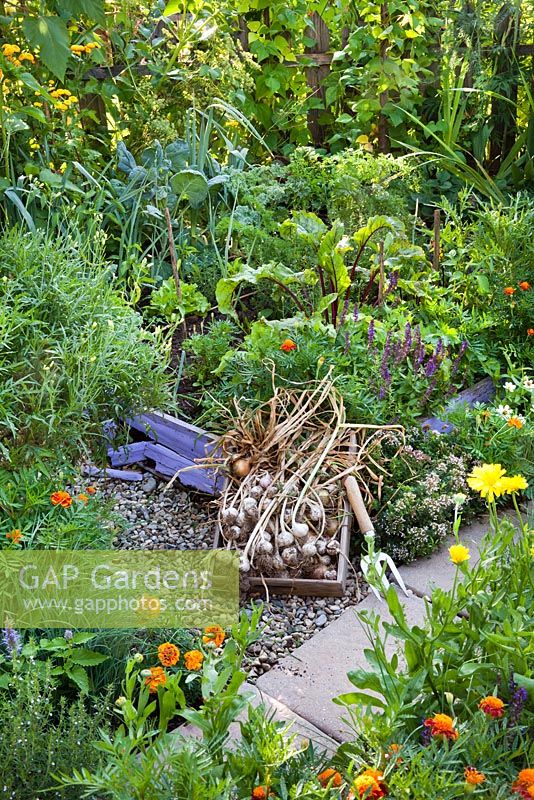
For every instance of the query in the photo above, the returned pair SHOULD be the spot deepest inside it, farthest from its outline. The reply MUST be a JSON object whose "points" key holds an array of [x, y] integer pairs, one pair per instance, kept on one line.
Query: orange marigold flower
{"points": [[214, 634], [515, 422], [260, 793], [83, 498], [193, 660], [524, 780], [509, 290], [157, 677], [15, 535], [61, 498], [441, 725], [473, 776], [525, 286], [91, 490], [288, 345], [394, 750], [492, 706], [329, 777], [368, 786], [530, 331], [168, 654]]}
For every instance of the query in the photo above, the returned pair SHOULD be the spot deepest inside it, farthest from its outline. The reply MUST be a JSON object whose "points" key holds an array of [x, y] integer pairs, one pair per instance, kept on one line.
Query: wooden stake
{"points": [[382, 276]]}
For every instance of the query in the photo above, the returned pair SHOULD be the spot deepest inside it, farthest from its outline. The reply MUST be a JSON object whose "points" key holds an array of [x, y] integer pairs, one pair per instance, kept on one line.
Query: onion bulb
{"points": [[241, 467]]}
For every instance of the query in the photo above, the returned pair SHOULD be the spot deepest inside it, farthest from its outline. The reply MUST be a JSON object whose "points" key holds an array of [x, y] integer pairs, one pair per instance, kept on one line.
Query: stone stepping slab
{"points": [[307, 680], [300, 727], [437, 571]]}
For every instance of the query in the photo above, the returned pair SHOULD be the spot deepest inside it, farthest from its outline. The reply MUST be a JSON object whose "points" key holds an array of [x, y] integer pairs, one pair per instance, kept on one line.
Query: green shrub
{"points": [[43, 734], [417, 507], [207, 350], [73, 354], [362, 185]]}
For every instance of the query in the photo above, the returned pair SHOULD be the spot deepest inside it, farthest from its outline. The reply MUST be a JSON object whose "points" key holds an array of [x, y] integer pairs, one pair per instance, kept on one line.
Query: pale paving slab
{"points": [[308, 679], [301, 728], [437, 570]]}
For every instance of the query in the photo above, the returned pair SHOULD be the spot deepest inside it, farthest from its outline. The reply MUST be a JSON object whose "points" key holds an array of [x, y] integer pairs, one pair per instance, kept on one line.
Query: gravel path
{"points": [[176, 519]]}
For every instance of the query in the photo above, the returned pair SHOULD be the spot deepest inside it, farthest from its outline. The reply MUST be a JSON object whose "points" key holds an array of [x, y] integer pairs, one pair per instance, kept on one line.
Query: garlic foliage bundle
{"points": [[284, 501]]}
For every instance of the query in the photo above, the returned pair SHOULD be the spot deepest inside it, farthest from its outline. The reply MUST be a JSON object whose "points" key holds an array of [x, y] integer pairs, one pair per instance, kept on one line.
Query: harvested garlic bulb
{"points": [[309, 550], [300, 530]]}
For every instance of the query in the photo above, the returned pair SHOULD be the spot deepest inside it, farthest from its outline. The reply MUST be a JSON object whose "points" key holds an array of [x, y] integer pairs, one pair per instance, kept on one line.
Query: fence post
{"points": [[316, 74], [503, 120]]}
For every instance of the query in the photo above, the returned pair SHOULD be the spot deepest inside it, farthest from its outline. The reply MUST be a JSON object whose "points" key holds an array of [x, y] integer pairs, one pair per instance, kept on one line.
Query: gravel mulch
{"points": [[157, 519]]}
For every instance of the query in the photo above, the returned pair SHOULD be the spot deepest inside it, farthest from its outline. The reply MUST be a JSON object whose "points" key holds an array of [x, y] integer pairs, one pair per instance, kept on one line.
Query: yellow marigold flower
{"points": [[193, 660], [515, 483], [72, 99], [10, 49], [157, 677], [90, 46], [38, 105], [492, 706], [77, 48], [459, 553], [168, 654], [62, 107], [213, 634], [487, 480], [60, 93], [27, 57]]}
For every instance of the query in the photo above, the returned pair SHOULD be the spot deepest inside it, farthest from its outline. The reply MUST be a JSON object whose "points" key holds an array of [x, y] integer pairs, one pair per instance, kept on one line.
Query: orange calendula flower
{"points": [[61, 498], [515, 422], [214, 634], [193, 660], [83, 498], [473, 777], [509, 290], [441, 725], [524, 285], [329, 777], [492, 706], [91, 490], [288, 345], [157, 677], [15, 535], [530, 331], [168, 654]]}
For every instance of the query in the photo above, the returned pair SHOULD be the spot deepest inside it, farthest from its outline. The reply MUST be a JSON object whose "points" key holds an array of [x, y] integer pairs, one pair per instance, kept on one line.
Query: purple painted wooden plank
{"points": [[128, 454], [114, 474], [481, 392], [169, 463], [180, 436]]}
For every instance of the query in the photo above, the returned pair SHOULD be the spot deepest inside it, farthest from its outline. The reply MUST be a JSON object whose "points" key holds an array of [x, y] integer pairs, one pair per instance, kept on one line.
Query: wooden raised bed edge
{"points": [[306, 587]]}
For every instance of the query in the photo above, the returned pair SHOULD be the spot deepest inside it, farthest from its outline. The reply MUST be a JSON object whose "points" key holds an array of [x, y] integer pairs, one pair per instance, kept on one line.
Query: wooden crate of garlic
{"points": [[284, 506]]}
